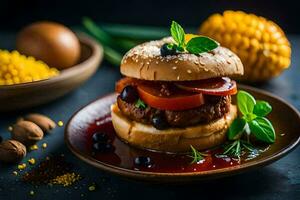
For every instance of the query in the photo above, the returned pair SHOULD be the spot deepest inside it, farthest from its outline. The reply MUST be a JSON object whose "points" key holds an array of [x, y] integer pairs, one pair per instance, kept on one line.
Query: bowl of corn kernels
{"points": [[55, 65]]}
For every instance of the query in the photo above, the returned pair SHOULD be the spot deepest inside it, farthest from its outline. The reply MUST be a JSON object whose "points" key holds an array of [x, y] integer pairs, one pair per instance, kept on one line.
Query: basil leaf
{"points": [[201, 44], [236, 128], [140, 104], [245, 102], [262, 108], [177, 33], [263, 129]]}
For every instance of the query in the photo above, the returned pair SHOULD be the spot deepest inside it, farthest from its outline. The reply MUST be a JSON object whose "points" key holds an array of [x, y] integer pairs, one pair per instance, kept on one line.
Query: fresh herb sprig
{"points": [[253, 118], [196, 45], [196, 155], [140, 104], [253, 121], [236, 148]]}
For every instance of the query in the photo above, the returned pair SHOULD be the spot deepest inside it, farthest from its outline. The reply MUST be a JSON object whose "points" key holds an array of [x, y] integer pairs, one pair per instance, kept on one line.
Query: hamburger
{"points": [[173, 97]]}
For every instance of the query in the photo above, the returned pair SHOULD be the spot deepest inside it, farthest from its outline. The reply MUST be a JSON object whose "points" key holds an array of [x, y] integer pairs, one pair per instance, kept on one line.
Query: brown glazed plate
{"points": [[285, 118]]}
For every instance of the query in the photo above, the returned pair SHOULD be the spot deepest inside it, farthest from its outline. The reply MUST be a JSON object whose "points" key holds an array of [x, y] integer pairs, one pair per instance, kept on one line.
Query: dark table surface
{"points": [[280, 180]]}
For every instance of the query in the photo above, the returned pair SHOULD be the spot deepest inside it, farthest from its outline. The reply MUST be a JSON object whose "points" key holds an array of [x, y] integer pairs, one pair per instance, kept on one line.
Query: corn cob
{"points": [[260, 43]]}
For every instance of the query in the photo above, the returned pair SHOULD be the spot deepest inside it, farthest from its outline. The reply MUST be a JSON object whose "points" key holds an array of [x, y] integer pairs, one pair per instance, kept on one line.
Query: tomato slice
{"points": [[215, 86], [150, 93], [178, 100]]}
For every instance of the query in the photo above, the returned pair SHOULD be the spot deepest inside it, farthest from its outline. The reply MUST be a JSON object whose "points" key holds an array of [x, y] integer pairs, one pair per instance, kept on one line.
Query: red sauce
{"points": [[123, 155]]}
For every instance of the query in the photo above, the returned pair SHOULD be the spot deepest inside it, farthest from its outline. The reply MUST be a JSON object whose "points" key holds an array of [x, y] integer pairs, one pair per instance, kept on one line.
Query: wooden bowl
{"points": [[285, 118], [25, 95]]}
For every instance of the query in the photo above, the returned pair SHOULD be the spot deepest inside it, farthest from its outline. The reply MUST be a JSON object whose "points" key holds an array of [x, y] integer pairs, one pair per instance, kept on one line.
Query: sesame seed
{"points": [[174, 67], [178, 77], [202, 63], [228, 62], [176, 61], [189, 71], [156, 62]]}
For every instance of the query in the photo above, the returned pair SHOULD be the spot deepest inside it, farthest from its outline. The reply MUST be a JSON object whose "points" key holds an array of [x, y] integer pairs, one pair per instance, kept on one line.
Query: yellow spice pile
{"points": [[16, 68], [66, 179]]}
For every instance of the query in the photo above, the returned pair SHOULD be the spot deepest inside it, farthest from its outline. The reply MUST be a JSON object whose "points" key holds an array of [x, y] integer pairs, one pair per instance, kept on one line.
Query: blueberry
{"points": [[1, 139], [102, 147], [168, 49], [100, 137], [142, 161], [129, 94], [159, 122]]}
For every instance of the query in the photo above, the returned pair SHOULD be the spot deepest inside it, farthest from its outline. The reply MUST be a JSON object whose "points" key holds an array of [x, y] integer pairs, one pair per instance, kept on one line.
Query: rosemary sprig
{"points": [[237, 147], [196, 155]]}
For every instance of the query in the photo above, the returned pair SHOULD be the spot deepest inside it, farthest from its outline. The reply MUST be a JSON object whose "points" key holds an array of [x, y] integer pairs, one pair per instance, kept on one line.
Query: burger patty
{"points": [[214, 108]]}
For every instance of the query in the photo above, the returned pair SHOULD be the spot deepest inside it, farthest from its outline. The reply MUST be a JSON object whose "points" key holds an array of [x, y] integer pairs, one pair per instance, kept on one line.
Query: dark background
{"points": [[15, 14]]}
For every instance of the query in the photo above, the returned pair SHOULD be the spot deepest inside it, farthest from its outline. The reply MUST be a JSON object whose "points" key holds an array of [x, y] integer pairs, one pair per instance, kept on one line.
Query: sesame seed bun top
{"points": [[145, 62]]}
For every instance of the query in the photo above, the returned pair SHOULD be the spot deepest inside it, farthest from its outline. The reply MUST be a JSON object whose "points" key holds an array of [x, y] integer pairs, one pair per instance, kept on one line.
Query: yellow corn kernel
{"points": [[31, 161], [16, 68], [60, 123], [261, 44], [33, 147], [22, 166], [44, 145]]}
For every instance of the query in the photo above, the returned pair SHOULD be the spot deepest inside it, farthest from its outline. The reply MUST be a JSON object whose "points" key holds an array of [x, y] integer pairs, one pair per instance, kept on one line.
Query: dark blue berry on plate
{"points": [[142, 161], [100, 137], [168, 49], [159, 122], [1, 139], [129, 94], [102, 147]]}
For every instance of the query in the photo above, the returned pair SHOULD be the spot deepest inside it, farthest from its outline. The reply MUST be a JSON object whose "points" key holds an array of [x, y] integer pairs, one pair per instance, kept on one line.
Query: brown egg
{"points": [[50, 42]]}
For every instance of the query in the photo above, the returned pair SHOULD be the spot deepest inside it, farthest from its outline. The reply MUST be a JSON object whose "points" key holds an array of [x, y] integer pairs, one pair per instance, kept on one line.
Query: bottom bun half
{"points": [[201, 137]]}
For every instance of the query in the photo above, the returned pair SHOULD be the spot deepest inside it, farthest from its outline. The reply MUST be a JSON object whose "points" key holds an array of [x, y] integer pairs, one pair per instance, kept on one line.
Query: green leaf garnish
{"points": [[237, 147], [201, 44], [177, 33], [262, 108], [236, 129], [196, 45], [196, 155], [140, 104], [233, 149], [245, 102], [253, 122], [263, 129]]}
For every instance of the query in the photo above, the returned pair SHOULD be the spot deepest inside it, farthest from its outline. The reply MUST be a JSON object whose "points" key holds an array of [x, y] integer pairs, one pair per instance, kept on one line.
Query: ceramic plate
{"points": [[285, 118]]}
